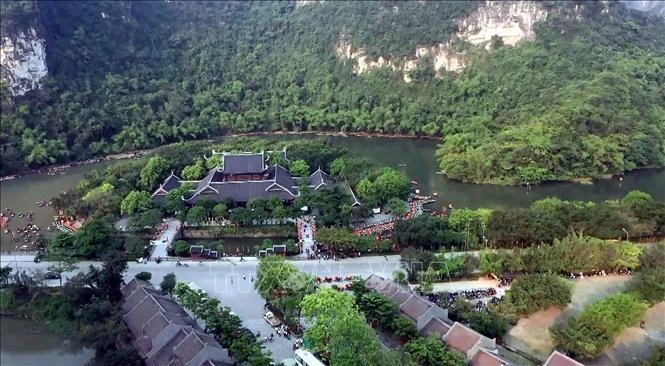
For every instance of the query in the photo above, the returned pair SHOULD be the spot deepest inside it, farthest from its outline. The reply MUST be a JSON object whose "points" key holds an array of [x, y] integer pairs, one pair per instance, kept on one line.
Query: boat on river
{"points": [[413, 182], [401, 165], [435, 194], [440, 172]]}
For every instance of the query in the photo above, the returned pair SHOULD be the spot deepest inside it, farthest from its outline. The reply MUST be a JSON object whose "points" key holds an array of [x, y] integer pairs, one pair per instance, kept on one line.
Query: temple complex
{"points": [[244, 177]]}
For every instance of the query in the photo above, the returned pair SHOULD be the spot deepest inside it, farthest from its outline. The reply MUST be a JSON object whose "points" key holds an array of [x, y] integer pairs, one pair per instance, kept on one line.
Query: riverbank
{"points": [[59, 168]]}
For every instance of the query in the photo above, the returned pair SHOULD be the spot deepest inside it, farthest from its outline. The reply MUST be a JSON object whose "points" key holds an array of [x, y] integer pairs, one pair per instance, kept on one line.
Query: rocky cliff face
{"points": [[654, 7], [23, 61], [512, 21]]}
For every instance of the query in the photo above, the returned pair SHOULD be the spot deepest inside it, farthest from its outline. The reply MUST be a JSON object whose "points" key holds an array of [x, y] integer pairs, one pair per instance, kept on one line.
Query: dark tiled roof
{"points": [[435, 327], [244, 191], [162, 351], [171, 182], [390, 289], [559, 359], [283, 178], [156, 325], [401, 296], [415, 307], [163, 332], [319, 178], [188, 348], [376, 282], [243, 163], [461, 338]]}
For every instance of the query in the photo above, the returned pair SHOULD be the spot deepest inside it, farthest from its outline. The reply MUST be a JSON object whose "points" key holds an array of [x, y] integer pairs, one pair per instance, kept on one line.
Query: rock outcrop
{"points": [[511, 21], [23, 61]]}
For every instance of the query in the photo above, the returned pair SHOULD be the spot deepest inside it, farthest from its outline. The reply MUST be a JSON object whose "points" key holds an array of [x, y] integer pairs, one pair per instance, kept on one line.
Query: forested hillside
{"points": [[584, 99]]}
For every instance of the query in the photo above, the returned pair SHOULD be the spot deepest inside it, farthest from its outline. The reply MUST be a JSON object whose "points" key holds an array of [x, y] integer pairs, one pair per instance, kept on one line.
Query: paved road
{"points": [[232, 283], [165, 238]]}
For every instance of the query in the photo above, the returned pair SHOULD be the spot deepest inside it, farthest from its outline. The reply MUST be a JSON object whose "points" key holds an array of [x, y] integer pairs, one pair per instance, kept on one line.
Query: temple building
{"points": [[244, 177]]}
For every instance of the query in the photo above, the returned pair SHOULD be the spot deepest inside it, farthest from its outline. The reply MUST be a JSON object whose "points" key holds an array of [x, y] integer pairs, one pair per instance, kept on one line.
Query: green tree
{"points": [[5, 274], [430, 351], [534, 292], [152, 172], [299, 168], [404, 329], [143, 276], [196, 215], [339, 331], [63, 261], [378, 308], [281, 283], [95, 239], [588, 334], [181, 248], [194, 172], [150, 218], [220, 211], [397, 206], [135, 202], [168, 283]]}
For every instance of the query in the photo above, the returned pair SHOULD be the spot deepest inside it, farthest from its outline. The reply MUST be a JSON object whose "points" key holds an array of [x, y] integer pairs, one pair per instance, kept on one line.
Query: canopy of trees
{"points": [[581, 100], [534, 292], [588, 334], [281, 283]]}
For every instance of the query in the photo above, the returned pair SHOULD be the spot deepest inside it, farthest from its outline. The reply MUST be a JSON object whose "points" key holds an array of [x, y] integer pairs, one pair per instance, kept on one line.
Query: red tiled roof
{"points": [[486, 358], [401, 296], [559, 359], [435, 327], [461, 337], [415, 307]]}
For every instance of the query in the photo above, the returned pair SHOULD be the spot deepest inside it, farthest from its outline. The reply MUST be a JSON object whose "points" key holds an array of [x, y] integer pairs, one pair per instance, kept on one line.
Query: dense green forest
{"points": [[585, 99]]}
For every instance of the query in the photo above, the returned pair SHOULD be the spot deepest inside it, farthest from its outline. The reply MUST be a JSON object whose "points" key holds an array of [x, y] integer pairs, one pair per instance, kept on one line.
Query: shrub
{"points": [[182, 248], [144, 276]]}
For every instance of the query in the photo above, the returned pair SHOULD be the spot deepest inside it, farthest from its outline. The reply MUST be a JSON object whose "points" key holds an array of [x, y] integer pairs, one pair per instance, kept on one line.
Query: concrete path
{"points": [[165, 239], [306, 230]]}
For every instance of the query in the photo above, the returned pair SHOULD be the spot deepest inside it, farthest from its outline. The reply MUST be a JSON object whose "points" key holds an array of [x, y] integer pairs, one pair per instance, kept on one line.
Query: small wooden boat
{"points": [[401, 165], [440, 172], [435, 194], [413, 182], [41, 204]]}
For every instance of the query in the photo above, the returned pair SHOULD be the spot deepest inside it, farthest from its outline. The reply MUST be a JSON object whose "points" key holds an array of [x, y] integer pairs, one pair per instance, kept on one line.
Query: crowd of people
{"points": [[383, 228], [447, 299], [159, 231], [594, 273]]}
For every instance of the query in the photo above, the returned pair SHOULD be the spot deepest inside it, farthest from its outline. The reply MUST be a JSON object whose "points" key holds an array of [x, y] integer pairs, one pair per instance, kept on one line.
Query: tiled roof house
{"points": [[417, 309], [559, 359], [164, 334], [486, 358], [466, 340]]}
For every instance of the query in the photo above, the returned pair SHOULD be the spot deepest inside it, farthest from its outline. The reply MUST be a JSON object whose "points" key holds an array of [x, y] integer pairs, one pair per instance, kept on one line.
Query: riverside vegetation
{"points": [[582, 100]]}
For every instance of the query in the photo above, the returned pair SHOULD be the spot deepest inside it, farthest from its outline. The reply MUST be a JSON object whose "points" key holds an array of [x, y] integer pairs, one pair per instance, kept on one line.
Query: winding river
{"points": [[21, 347]]}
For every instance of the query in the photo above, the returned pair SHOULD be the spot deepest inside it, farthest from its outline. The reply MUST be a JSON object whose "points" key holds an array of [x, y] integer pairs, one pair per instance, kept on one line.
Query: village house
{"points": [[163, 333], [432, 320], [559, 359], [466, 340]]}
